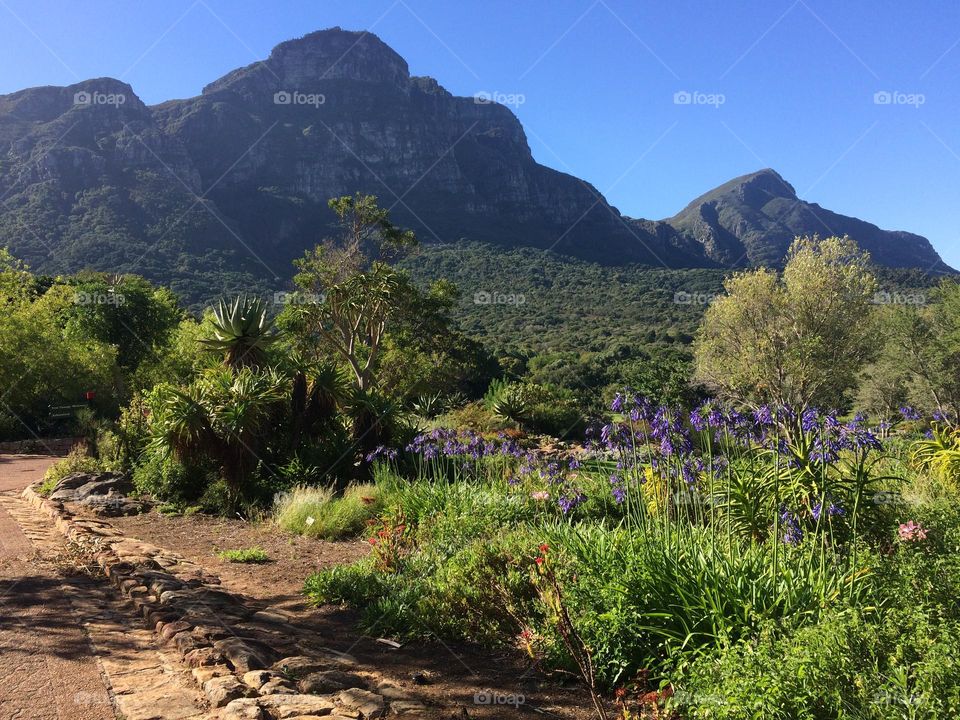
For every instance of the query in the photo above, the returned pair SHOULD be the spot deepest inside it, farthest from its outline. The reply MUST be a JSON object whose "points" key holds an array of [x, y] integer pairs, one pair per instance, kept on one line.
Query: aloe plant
{"points": [[242, 331]]}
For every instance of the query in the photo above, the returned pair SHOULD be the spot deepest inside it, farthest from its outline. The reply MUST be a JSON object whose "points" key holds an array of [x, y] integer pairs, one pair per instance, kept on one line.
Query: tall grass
{"points": [[316, 512]]}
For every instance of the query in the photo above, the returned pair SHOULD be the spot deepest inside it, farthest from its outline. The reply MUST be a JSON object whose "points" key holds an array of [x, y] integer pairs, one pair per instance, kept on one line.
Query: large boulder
{"points": [[106, 493]]}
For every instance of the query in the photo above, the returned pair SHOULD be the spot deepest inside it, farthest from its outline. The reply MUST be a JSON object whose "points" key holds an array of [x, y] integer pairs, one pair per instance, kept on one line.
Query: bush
{"points": [[164, 478], [849, 666], [77, 460], [315, 512]]}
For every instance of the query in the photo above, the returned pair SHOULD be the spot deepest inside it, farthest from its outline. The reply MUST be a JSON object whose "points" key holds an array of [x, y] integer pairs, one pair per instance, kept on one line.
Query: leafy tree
{"points": [[125, 311], [349, 291], [796, 340], [920, 362]]}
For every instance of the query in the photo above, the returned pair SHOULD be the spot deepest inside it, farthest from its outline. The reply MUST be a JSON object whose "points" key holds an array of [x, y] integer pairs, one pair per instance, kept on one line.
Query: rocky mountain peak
{"points": [[333, 54]]}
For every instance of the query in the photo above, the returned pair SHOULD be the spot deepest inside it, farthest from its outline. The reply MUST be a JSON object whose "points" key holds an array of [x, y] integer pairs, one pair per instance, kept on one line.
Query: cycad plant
{"points": [[242, 332]]}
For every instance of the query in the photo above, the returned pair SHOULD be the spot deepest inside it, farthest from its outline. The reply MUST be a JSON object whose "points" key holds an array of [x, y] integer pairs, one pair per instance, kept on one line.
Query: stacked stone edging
{"points": [[247, 662]]}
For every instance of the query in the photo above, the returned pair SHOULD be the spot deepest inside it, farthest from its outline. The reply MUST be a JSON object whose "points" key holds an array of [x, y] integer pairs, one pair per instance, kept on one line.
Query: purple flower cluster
{"points": [[464, 445]]}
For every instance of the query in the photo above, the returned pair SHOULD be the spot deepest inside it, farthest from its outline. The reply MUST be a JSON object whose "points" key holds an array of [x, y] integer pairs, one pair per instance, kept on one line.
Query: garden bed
{"points": [[451, 674]]}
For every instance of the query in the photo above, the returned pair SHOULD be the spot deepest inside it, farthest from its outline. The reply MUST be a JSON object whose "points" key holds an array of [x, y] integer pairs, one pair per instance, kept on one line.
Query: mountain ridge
{"points": [[235, 180]]}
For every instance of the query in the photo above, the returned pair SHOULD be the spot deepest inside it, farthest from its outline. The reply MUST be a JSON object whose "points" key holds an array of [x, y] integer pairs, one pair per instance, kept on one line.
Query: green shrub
{"points": [[47, 486], [77, 460], [252, 555], [850, 666], [164, 478], [315, 512]]}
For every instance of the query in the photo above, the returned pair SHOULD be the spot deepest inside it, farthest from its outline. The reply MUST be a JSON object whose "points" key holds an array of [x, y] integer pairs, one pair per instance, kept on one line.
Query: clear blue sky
{"points": [[598, 79]]}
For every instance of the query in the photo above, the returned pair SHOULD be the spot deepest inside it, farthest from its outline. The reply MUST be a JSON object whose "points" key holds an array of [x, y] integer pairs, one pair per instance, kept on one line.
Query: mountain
{"points": [[753, 219], [223, 190]]}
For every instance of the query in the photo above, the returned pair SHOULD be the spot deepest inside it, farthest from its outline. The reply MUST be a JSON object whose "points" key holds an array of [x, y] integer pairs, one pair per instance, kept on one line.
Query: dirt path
{"points": [[65, 652]]}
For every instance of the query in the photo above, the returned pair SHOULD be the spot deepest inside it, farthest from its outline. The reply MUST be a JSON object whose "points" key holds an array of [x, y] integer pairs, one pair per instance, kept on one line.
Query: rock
{"points": [[300, 665], [288, 706], [368, 704], [221, 690], [104, 493], [204, 673], [278, 686], [242, 709], [169, 630], [390, 690], [203, 656], [245, 654], [258, 678], [186, 643], [407, 707], [329, 681]]}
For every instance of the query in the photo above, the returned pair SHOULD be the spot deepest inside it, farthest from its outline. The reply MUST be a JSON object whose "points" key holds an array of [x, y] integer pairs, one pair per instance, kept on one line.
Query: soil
{"points": [[443, 675]]}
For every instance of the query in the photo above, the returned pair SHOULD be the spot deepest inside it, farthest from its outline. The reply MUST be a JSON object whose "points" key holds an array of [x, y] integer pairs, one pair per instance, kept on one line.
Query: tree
{"points": [[799, 339], [349, 293], [922, 353]]}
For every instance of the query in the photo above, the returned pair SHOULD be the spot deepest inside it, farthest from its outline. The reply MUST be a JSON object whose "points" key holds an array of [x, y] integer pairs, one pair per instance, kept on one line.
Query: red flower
{"points": [[539, 560], [372, 541], [544, 548]]}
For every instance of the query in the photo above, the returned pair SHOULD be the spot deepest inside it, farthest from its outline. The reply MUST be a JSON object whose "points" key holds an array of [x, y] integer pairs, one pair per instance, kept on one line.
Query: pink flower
{"points": [[912, 532], [540, 495]]}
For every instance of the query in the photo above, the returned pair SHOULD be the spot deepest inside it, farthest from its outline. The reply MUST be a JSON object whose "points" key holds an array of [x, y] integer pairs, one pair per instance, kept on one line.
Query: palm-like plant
{"points": [[224, 416], [242, 331], [314, 399], [428, 406]]}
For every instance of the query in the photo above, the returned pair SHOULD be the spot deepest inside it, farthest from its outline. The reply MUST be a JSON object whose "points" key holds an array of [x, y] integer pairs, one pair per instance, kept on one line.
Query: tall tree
{"points": [[799, 339], [348, 291]]}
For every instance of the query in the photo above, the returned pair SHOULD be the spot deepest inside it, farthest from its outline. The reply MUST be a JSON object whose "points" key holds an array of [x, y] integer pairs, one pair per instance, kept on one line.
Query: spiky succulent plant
{"points": [[241, 331]]}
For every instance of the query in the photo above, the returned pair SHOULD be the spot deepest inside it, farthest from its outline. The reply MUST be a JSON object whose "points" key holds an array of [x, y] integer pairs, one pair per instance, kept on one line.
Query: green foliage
{"points": [[77, 460], [241, 332], [939, 455], [253, 555], [224, 417], [163, 477], [316, 512], [809, 335]]}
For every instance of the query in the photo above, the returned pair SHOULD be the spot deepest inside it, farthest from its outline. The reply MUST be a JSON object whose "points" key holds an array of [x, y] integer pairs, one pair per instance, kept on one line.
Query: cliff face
{"points": [[236, 180]]}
